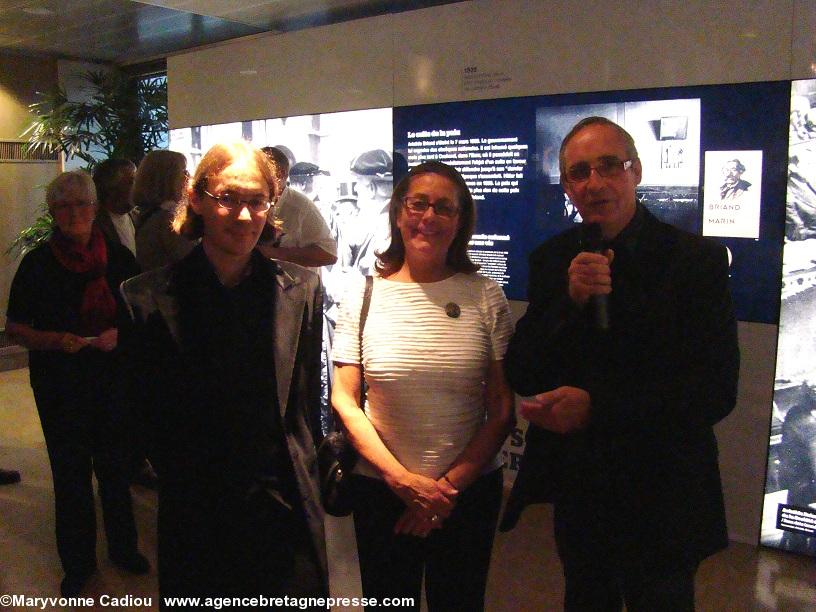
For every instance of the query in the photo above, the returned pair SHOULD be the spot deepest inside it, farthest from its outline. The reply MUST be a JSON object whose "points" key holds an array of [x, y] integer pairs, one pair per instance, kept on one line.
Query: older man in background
{"points": [[114, 180]]}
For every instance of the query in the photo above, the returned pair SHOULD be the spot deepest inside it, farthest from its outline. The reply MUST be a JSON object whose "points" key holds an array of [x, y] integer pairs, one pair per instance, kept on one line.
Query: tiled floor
{"points": [[525, 574]]}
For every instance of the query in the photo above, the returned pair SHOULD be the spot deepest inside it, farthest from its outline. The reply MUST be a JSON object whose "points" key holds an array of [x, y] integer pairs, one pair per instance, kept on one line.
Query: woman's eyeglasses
{"points": [[418, 206]]}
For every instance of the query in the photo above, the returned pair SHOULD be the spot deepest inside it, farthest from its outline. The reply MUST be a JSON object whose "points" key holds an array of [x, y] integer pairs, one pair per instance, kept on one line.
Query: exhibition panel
{"points": [[687, 139], [789, 509]]}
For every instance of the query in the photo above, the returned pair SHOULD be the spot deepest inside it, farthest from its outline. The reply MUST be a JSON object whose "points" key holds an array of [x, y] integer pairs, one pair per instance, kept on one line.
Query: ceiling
{"points": [[128, 32]]}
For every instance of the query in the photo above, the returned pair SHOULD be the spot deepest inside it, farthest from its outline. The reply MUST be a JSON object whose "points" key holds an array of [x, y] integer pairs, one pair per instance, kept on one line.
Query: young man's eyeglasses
{"points": [[607, 167], [418, 206], [232, 201]]}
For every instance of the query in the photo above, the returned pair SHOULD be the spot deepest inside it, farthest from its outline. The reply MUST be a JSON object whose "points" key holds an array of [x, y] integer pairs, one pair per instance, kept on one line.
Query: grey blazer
{"points": [[297, 343]]}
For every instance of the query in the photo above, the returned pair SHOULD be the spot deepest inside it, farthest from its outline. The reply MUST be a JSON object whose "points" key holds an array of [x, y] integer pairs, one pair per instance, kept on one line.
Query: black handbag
{"points": [[336, 457]]}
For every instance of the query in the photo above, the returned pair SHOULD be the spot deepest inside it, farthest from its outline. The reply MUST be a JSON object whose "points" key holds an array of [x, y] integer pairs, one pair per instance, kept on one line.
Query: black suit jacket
{"points": [[105, 224], [659, 379]]}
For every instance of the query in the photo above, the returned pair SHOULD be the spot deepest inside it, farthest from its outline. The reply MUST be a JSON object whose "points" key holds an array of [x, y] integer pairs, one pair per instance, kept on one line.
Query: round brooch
{"points": [[453, 310]]}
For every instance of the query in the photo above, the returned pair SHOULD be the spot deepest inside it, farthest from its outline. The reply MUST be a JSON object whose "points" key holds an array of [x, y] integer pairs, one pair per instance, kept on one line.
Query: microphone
{"points": [[592, 241]]}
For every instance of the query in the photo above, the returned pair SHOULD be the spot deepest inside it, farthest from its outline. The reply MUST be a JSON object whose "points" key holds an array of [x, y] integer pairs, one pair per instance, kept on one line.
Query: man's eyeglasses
{"points": [[418, 206], [232, 201], [607, 167]]}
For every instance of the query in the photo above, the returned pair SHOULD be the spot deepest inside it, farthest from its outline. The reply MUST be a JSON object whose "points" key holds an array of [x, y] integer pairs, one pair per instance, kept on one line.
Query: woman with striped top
{"points": [[428, 484]]}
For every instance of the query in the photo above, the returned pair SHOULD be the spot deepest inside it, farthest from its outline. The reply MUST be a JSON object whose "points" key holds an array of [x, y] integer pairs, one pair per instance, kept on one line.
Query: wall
{"points": [[20, 79], [525, 47], [537, 48], [21, 183]]}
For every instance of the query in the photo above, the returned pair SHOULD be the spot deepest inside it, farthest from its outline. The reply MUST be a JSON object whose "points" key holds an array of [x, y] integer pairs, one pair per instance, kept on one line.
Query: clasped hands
{"points": [[428, 503]]}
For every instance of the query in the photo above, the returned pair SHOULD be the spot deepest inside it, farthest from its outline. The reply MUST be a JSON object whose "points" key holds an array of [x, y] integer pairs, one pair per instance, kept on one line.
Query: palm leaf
{"points": [[121, 116], [34, 235]]}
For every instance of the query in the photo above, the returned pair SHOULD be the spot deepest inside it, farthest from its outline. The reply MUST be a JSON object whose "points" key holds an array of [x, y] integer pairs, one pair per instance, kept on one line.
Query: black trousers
{"points": [[454, 559], [597, 581], [84, 434], [233, 546]]}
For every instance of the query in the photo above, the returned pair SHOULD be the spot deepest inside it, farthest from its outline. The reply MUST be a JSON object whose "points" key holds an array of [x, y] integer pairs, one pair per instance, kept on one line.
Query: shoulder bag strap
{"points": [[369, 285]]}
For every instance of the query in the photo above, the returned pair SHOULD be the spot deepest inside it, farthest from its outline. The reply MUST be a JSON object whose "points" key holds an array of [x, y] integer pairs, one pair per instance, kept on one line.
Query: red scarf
{"points": [[98, 310]]}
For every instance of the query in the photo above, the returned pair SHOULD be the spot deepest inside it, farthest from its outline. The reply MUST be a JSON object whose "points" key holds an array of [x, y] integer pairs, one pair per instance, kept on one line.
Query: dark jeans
{"points": [[84, 434], [596, 581], [455, 559]]}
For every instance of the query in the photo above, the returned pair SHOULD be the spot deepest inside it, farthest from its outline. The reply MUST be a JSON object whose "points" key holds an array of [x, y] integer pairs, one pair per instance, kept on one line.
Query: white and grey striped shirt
{"points": [[425, 369]]}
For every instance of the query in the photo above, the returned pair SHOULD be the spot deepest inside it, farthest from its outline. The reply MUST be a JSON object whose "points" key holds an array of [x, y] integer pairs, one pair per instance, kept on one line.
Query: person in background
{"points": [[305, 238], [224, 351], [621, 415], [342, 224], [157, 192], [114, 180], [63, 306], [373, 171], [429, 481], [305, 177]]}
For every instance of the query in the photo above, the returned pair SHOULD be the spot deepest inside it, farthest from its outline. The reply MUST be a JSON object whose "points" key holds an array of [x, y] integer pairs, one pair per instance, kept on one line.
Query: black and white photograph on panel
{"points": [[789, 510], [733, 185], [667, 138], [343, 162]]}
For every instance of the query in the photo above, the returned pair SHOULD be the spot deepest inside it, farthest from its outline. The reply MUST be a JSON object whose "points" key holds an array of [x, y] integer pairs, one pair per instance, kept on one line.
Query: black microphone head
{"points": [[591, 237], [592, 242]]}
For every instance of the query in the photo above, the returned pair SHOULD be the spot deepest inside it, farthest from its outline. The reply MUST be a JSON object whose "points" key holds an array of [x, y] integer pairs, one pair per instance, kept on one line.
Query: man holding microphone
{"points": [[629, 351]]}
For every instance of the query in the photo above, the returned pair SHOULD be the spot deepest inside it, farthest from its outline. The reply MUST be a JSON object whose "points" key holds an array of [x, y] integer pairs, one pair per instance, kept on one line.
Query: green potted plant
{"points": [[122, 116]]}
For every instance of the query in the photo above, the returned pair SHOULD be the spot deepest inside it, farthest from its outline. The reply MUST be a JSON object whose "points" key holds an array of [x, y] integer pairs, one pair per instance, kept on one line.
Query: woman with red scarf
{"points": [[63, 307]]}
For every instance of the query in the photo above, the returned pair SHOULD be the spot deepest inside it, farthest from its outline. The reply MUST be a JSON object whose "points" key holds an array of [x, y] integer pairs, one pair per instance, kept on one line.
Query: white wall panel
{"points": [[345, 66], [22, 193], [518, 47], [534, 47]]}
